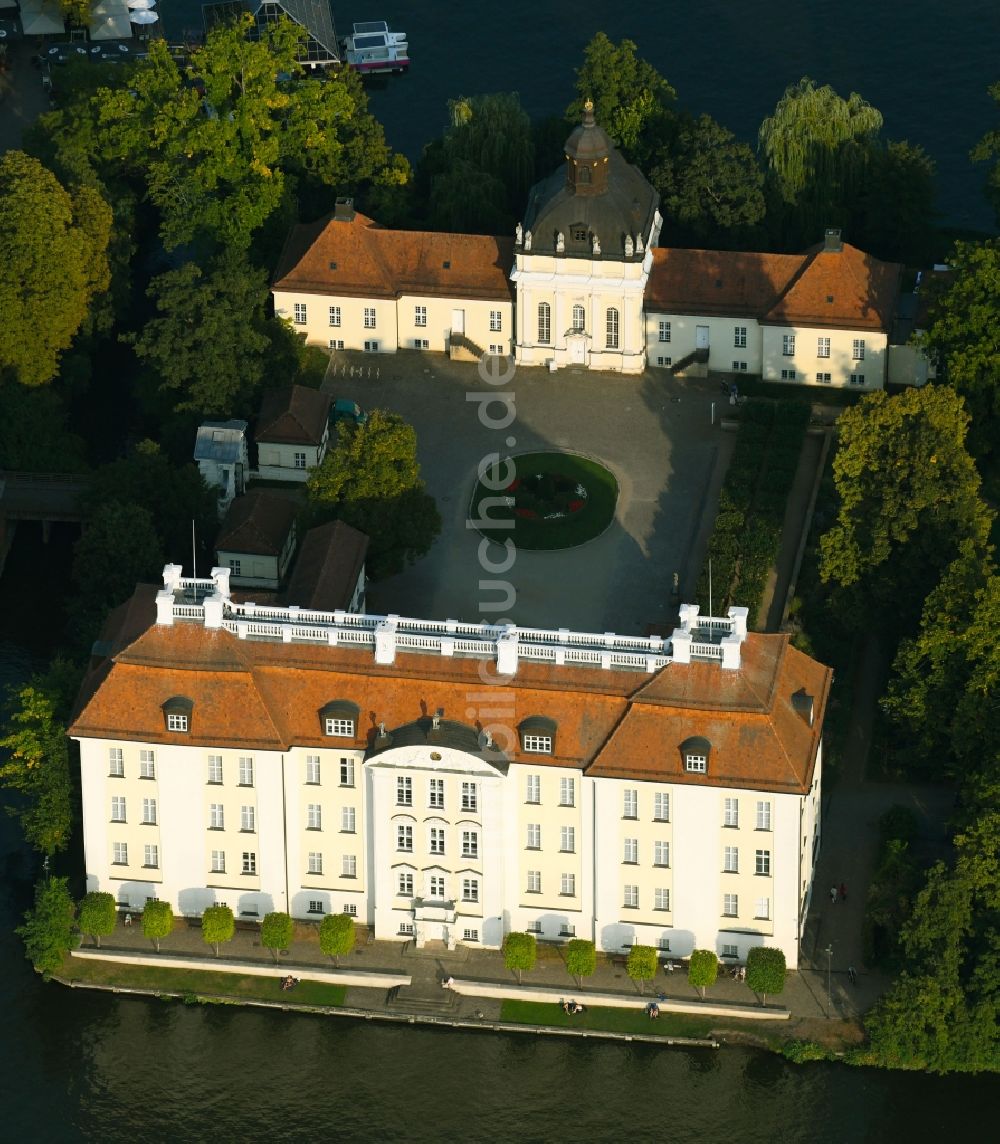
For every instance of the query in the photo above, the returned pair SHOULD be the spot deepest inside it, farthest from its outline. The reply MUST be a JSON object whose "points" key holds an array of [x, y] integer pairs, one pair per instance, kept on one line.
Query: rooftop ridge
{"points": [[208, 601]]}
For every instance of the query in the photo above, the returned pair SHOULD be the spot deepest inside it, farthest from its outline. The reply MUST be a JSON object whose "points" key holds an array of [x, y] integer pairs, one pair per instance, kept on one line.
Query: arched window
{"points": [[579, 319], [612, 343], [544, 323], [583, 174]]}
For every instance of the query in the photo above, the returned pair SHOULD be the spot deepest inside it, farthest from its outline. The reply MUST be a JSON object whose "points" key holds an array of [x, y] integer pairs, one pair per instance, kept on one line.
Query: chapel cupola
{"points": [[587, 152]]}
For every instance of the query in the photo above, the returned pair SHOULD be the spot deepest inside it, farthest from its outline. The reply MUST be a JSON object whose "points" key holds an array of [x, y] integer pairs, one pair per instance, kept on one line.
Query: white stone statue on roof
{"points": [[519, 234]]}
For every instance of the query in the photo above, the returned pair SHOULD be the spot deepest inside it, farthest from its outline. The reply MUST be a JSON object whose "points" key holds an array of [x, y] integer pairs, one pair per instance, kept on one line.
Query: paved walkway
{"points": [[22, 99]]}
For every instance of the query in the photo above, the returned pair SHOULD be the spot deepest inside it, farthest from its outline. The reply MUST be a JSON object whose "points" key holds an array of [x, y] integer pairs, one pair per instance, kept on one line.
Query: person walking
{"points": [[852, 975], [833, 895]]}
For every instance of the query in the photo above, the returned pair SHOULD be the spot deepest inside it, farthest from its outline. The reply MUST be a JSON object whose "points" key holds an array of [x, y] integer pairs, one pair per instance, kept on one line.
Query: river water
{"points": [[94, 1067], [924, 64]]}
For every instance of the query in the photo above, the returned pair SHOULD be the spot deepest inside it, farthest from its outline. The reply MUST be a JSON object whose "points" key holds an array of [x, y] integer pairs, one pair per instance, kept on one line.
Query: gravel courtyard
{"points": [[653, 432]]}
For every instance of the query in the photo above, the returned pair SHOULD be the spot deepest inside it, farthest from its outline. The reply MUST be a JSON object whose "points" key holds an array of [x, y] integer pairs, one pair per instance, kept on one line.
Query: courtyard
{"points": [[654, 434]]}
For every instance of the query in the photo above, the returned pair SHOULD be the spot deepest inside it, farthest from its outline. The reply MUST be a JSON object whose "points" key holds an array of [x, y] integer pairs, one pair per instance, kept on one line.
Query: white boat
{"points": [[372, 49]]}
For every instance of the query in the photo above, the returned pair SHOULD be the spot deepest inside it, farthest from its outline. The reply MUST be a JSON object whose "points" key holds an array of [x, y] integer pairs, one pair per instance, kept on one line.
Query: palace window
{"points": [[857, 379], [631, 854], [348, 866], [730, 905], [249, 862], [538, 744], [544, 323], [348, 820], [661, 853], [631, 804], [731, 812], [496, 321], [235, 566], [858, 349], [369, 317], [147, 760], [405, 885], [534, 836], [215, 769], [763, 816], [218, 861], [176, 723], [437, 840], [731, 860], [763, 863], [612, 328], [149, 811], [534, 881], [347, 772], [470, 935], [762, 909], [788, 345], [316, 906], [661, 807], [567, 793], [300, 313], [246, 771], [335, 344], [661, 901], [371, 347], [117, 808], [436, 886], [312, 770], [579, 314], [334, 315], [740, 337], [788, 375], [248, 819], [567, 885], [470, 844], [567, 839], [404, 838], [341, 727], [822, 347], [419, 316], [664, 331], [730, 951], [436, 800], [299, 460], [698, 764], [116, 762], [534, 789], [631, 898], [470, 797], [470, 889], [404, 791], [824, 378], [314, 816], [216, 817], [120, 854], [315, 860]]}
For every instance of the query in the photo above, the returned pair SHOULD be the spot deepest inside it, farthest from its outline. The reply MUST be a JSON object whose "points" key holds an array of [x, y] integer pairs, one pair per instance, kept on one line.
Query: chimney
{"points": [[832, 243], [343, 210]]}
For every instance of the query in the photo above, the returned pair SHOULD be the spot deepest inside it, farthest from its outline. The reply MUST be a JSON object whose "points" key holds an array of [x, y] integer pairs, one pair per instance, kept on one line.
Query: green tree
{"points": [[34, 430], [118, 549], [276, 932], [908, 496], [207, 346], [337, 935], [157, 921], [217, 926], [581, 959], [53, 253], [987, 150], [371, 480], [216, 162], [632, 101], [943, 679], [961, 335], [174, 496], [817, 148], [893, 216], [37, 766], [75, 12], [711, 186], [47, 930], [703, 969], [519, 953], [97, 915], [765, 971], [641, 965]]}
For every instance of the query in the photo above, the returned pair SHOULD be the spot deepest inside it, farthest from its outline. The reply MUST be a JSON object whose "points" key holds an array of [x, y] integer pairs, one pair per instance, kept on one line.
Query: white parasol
{"points": [[143, 16], [141, 5]]}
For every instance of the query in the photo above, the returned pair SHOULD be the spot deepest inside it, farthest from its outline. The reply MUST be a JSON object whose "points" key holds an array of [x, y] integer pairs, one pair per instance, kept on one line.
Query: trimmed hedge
{"points": [[747, 533]]}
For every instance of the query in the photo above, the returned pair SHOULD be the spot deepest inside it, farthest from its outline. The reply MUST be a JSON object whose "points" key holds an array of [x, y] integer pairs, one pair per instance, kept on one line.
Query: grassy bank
{"points": [[606, 1020], [198, 982]]}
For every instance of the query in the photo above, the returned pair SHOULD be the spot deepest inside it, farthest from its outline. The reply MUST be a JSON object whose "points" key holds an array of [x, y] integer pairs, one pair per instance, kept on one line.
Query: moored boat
{"points": [[372, 49]]}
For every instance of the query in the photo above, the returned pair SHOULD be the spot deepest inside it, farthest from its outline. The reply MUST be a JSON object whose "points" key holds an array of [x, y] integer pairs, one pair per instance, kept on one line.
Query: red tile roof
{"points": [[293, 415], [263, 695], [357, 257], [327, 567], [257, 523], [844, 289]]}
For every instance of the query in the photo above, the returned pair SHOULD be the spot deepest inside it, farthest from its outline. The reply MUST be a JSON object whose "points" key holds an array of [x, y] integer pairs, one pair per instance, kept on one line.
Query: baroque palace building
{"points": [[450, 781], [584, 283]]}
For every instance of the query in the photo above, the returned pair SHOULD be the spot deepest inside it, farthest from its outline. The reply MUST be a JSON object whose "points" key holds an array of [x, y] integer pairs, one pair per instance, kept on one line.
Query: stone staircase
{"points": [[460, 348], [694, 364], [406, 999]]}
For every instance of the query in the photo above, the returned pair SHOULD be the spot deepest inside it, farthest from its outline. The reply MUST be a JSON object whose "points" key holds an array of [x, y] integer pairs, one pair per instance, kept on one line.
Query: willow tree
{"points": [[494, 133], [817, 148]]}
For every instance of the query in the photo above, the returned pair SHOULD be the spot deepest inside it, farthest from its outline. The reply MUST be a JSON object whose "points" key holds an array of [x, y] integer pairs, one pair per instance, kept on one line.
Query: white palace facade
{"points": [[584, 283], [444, 781]]}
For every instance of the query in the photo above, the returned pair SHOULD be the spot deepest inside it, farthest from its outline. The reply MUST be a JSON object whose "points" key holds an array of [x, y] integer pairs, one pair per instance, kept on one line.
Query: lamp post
{"points": [[829, 966]]}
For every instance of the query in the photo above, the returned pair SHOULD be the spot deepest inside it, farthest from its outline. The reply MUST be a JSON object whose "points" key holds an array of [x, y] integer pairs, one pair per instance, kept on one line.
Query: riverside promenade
{"points": [[406, 982]]}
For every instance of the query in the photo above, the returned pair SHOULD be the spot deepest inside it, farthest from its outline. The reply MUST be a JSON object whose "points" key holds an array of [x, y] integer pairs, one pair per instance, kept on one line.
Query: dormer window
{"points": [[695, 752], [538, 735], [177, 714], [340, 719]]}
